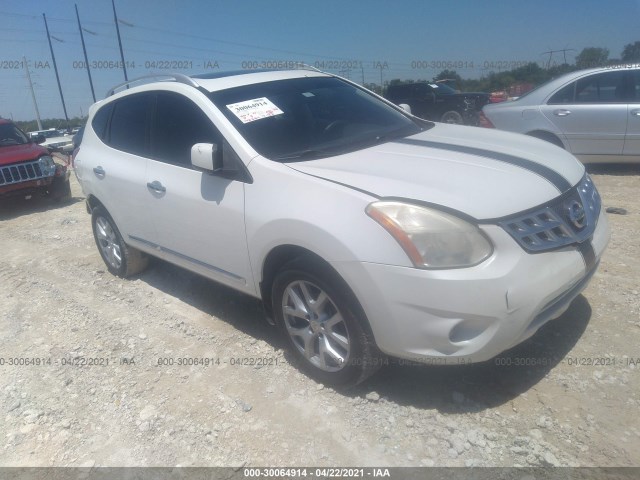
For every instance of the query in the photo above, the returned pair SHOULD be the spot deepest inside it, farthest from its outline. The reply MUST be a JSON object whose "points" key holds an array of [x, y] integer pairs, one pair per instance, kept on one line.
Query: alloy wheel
{"points": [[316, 326]]}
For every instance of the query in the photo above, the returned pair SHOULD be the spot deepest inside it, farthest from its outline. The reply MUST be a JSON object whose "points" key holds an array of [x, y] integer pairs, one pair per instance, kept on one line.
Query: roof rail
{"points": [[304, 66], [175, 77]]}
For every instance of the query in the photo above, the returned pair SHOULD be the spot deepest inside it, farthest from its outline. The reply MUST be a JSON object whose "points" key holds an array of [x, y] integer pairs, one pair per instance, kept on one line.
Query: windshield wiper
{"points": [[304, 155]]}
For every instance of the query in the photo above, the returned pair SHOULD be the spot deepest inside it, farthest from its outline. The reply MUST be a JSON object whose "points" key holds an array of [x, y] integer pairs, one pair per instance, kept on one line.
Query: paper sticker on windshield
{"points": [[256, 109], [433, 85]]}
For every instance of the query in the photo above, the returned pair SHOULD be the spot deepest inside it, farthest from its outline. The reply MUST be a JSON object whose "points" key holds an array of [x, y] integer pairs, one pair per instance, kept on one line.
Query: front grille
{"points": [[570, 219], [21, 172]]}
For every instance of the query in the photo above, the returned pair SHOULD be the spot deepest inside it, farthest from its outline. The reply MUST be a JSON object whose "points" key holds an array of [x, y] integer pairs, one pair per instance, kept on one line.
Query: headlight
{"points": [[431, 238], [47, 165]]}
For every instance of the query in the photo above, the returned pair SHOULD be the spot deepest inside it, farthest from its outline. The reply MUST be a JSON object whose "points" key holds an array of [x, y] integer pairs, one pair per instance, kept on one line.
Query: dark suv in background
{"points": [[438, 102], [27, 168]]}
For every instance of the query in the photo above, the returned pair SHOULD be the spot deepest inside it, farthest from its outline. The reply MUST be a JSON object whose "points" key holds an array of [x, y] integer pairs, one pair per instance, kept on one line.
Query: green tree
{"points": [[448, 75], [631, 53], [399, 81], [591, 57]]}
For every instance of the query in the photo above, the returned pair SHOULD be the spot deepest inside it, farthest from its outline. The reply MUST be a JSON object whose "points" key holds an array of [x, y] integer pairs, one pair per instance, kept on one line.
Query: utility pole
{"points": [[564, 52], [86, 60], [115, 18], [55, 68], [33, 95]]}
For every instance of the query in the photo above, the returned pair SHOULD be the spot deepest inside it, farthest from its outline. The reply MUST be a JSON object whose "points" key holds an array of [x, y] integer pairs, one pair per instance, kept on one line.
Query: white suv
{"points": [[364, 230]]}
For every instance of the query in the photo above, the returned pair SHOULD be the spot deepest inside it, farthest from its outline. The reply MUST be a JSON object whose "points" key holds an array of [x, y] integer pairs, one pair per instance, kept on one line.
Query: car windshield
{"points": [[444, 89], [307, 118], [11, 135]]}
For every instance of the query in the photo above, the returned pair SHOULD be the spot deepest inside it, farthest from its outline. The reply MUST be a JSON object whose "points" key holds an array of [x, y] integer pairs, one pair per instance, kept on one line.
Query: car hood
{"points": [[486, 174], [61, 139], [20, 153]]}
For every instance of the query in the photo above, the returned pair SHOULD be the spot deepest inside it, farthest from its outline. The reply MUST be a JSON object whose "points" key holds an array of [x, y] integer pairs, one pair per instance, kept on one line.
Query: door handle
{"points": [[562, 113], [156, 186], [635, 113], [99, 171]]}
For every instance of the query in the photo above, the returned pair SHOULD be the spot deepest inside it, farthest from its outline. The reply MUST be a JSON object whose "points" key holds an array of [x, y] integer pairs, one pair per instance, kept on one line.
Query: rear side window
{"points": [[564, 95], [100, 121], [129, 124]]}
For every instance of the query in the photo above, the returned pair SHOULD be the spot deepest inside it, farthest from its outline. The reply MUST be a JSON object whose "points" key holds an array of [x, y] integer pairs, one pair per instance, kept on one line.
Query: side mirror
{"points": [[207, 157], [405, 107], [39, 139], [219, 160]]}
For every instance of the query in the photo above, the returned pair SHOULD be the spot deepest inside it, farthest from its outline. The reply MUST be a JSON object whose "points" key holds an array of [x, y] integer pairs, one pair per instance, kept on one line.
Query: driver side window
{"points": [[178, 125]]}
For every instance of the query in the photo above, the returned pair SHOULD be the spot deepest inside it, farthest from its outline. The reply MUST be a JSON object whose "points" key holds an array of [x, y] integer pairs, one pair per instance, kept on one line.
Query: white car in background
{"points": [[364, 230], [594, 114], [54, 140]]}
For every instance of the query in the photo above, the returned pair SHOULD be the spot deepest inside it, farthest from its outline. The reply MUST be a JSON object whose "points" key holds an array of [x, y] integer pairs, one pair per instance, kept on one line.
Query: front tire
{"points": [[323, 324], [121, 259], [60, 189]]}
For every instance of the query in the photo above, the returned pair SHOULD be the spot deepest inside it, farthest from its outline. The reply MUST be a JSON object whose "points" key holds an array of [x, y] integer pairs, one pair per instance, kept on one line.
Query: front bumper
{"points": [[470, 314], [26, 188]]}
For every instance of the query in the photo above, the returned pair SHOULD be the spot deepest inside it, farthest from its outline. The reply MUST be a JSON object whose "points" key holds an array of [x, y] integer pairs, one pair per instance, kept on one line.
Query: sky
{"points": [[370, 40]]}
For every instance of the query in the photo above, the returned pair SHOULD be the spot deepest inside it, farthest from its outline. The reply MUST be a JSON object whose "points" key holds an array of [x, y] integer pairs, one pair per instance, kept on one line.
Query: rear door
{"points": [[592, 113], [116, 173]]}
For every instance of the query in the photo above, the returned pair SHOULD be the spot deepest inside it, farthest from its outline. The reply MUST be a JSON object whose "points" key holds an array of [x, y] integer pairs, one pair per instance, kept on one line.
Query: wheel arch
{"points": [[547, 136], [93, 202], [281, 255]]}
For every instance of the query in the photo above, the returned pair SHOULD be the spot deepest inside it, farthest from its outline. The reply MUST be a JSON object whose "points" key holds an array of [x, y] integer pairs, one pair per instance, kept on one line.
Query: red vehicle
{"points": [[27, 168]]}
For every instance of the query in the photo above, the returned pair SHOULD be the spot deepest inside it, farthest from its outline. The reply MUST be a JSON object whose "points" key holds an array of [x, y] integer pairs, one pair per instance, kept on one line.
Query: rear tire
{"points": [[121, 259], [323, 324], [452, 117]]}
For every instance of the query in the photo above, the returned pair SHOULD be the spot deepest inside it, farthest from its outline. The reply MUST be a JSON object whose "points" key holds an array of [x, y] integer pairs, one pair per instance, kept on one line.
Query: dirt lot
{"points": [[569, 396]]}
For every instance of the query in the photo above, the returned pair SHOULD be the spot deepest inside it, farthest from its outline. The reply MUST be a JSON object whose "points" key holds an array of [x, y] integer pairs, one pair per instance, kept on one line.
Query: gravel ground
{"points": [[569, 396]]}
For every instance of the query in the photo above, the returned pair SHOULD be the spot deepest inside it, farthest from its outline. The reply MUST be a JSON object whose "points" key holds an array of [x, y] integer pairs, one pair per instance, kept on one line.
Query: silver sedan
{"points": [[594, 114]]}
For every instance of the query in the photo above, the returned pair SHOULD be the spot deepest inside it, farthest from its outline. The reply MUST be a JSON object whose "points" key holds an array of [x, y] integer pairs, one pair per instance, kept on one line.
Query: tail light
{"points": [[484, 121]]}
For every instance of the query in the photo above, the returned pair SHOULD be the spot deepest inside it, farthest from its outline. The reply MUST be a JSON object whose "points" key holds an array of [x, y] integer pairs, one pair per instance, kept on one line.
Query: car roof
{"points": [[212, 82], [580, 73], [251, 77]]}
